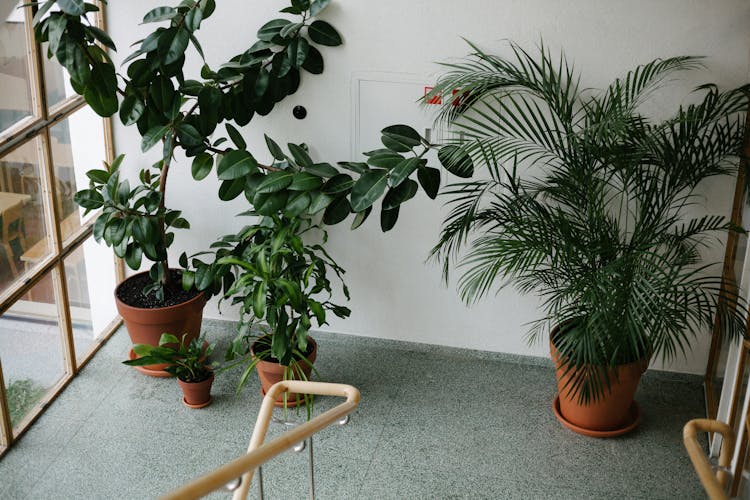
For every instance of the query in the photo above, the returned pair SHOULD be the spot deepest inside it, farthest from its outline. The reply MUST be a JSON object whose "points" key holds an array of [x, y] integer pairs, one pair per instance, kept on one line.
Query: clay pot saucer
{"points": [[634, 417], [198, 406]]}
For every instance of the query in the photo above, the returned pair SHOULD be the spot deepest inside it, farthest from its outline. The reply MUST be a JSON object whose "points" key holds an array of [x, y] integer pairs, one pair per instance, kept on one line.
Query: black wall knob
{"points": [[299, 112]]}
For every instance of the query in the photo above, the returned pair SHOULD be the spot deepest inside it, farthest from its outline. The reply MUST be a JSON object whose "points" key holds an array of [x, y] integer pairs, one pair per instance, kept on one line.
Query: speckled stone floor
{"points": [[433, 423]]}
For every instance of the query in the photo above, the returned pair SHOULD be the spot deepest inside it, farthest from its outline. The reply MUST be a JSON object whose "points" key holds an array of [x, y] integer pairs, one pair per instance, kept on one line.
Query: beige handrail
{"points": [[713, 482], [257, 452]]}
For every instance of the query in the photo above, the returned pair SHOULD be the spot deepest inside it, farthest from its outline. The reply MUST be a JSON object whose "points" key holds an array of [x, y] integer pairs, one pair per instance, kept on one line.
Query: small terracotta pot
{"points": [[612, 412], [270, 373], [145, 326], [197, 394]]}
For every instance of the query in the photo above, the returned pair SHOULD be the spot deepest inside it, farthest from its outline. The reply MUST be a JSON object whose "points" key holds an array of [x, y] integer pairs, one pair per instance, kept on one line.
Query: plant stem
{"points": [[166, 279]]}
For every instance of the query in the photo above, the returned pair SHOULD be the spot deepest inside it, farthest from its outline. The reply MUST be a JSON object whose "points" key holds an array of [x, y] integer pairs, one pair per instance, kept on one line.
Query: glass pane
{"points": [[23, 240], [15, 97], [92, 303], [56, 80], [77, 146], [31, 349]]}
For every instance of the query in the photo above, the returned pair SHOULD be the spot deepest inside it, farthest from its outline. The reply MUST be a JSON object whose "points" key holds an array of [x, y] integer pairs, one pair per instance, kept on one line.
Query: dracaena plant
{"points": [[586, 204], [188, 361], [173, 111], [283, 285]]}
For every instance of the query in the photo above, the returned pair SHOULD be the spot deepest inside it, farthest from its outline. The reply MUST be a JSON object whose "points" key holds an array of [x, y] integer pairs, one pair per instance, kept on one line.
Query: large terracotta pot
{"points": [[269, 373], [197, 394], [613, 414], [145, 326]]}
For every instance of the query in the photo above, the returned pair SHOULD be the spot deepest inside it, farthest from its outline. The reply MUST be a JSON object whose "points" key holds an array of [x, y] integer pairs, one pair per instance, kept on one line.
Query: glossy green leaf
{"points": [[172, 44], [202, 165], [456, 161], [159, 14], [322, 170], [271, 29], [231, 189], [89, 199], [388, 219], [319, 202], [324, 34], [270, 203], [131, 109], [300, 155], [274, 148], [314, 61], [429, 178], [305, 181], [338, 184], [368, 189], [387, 160], [399, 194], [361, 217], [402, 171], [236, 164], [298, 202], [152, 136], [275, 181], [236, 137], [337, 211]]}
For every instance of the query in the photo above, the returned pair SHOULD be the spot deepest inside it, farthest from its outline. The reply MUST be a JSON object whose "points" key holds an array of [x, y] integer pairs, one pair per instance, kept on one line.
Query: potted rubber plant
{"points": [[175, 113], [187, 360], [280, 275], [590, 203]]}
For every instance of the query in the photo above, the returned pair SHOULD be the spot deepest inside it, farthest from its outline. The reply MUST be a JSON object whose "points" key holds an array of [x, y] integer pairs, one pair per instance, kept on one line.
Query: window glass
{"points": [[15, 97], [31, 349], [23, 232], [77, 146], [92, 303]]}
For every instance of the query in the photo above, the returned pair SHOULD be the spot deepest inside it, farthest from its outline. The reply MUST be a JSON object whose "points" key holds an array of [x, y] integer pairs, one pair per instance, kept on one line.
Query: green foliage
{"points": [[188, 362], [281, 283], [22, 396], [585, 204], [177, 113]]}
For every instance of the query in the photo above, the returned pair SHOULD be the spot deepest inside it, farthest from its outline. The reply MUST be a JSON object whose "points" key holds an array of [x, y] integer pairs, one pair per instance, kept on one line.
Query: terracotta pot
{"points": [[270, 373], [613, 414], [197, 394], [145, 326]]}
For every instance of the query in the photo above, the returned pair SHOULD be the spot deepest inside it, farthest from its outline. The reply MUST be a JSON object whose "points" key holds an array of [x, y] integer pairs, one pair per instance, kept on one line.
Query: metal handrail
{"points": [[259, 453], [714, 482]]}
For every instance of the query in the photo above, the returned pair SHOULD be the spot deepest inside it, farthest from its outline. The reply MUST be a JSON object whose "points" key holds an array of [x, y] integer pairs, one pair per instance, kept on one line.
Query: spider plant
{"points": [[590, 203]]}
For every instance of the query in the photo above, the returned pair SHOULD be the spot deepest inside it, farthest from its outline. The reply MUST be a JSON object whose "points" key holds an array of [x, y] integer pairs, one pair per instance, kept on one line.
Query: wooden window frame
{"points": [[37, 128]]}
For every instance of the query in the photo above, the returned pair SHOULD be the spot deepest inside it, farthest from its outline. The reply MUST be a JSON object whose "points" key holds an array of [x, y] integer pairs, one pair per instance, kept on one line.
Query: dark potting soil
{"points": [[131, 292]]}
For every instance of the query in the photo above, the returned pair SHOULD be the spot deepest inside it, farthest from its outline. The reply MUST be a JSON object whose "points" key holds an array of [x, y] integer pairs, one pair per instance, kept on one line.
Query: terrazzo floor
{"points": [[433, 423]]}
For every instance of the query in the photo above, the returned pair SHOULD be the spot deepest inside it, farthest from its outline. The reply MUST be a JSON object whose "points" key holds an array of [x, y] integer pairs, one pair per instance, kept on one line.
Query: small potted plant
{"points": [[186, 359], [278, 277]]}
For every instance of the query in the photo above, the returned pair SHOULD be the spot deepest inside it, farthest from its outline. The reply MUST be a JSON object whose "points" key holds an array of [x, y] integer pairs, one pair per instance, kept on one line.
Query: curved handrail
{"points": [[713, 482], [259, 453]]}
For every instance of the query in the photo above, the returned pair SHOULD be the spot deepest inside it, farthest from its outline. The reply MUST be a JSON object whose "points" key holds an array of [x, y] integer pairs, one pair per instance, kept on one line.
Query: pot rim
{"points": [[645, 361], [200, 296]]}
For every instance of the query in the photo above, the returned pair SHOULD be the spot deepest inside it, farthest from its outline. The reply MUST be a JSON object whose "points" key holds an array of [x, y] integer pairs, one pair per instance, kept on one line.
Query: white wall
{"points": [[394, 294]]}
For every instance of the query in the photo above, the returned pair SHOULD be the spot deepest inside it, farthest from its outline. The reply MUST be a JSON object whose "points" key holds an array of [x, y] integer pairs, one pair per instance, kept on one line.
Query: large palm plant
{"points": [[587, 203]]}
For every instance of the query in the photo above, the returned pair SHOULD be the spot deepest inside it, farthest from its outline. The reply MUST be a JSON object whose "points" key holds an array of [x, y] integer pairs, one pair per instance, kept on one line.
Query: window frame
{"points": [[29, 129]]}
